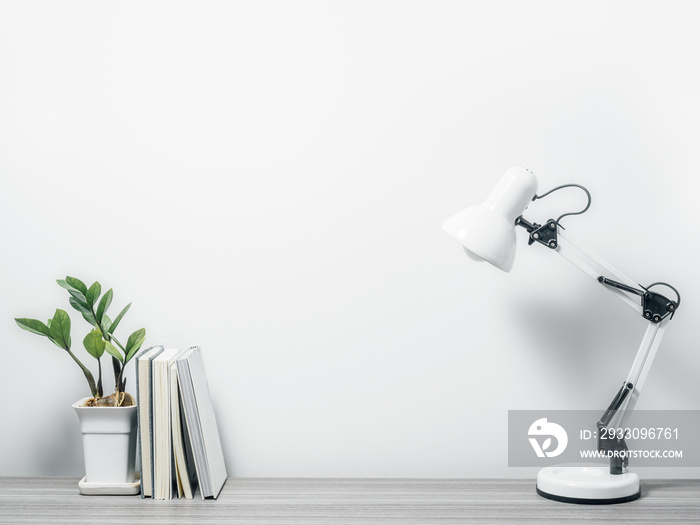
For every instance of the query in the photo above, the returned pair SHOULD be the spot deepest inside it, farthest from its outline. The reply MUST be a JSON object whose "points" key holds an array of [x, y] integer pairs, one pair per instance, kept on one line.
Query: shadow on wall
{"points": [[582, 351]]}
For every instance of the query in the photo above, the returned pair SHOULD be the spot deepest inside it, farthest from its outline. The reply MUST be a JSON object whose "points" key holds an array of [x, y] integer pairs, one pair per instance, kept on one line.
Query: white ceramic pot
{"points": [[109, 443]]}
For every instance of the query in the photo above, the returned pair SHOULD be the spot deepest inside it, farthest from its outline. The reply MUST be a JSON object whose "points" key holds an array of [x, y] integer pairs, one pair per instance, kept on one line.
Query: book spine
{"points": [[150, 429], [140, 430]]}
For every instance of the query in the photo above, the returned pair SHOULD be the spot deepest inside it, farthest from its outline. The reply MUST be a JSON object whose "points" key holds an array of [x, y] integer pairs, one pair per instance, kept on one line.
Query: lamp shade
{"points": [[487, 230]]}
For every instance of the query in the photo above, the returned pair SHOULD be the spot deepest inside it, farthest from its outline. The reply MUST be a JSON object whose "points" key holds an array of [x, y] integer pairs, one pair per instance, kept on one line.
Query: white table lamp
{"points": [[487, 233]]}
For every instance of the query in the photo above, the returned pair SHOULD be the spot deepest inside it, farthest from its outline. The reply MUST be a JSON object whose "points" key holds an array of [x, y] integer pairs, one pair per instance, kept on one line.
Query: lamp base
{"points": [[588, 485]]}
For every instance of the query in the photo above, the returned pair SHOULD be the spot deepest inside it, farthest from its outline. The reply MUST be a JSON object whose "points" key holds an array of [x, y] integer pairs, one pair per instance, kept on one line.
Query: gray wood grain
{"points": [[346, 501]]}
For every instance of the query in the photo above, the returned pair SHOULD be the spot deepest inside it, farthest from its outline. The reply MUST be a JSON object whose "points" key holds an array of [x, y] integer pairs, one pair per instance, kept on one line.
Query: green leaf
{"points": [[106, 323], [104, 304], [64, 284], [78, 296], [134, 343], [48, 323], [77, 284], [93, 293], [58, 344], [34, 326], [59, 331], [94, 344], [79, 305], [112, 350], [119, 318], [84, 310]]}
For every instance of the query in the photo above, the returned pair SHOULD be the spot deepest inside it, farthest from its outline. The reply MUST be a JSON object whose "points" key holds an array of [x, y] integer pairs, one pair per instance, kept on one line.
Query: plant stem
{"points": [[116, 365], [120, 380], [88, 374], [99, 378]]}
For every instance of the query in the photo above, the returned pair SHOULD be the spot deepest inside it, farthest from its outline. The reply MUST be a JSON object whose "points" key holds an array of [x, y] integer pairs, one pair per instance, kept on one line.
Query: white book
{"points": [[185, 471], [144, 401], [162, 441], [201, 423]]}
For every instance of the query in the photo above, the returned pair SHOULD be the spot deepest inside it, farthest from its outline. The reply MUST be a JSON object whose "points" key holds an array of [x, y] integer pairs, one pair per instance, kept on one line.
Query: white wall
{"points": [[268, 179]]}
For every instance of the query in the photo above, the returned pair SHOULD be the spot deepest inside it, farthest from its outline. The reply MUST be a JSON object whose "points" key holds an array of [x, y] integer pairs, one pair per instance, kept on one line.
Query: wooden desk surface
{"points": [[346, 501]]}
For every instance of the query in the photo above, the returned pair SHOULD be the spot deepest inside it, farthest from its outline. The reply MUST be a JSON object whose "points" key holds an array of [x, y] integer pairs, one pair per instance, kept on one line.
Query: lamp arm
{"points": [[579, 255], [653, 307], [626, 399], [596, 267]]}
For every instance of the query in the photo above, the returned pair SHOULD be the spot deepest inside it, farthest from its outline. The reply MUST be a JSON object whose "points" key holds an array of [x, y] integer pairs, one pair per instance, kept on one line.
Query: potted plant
{"points": [[108, 423]]}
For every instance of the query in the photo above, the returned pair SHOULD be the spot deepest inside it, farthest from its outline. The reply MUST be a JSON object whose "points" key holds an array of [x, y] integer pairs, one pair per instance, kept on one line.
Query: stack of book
{"points": [[179, 445]]}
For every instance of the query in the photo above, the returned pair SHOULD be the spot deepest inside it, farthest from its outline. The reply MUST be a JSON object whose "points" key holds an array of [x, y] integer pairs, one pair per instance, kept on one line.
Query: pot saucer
{"points": [[110, 489]]}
